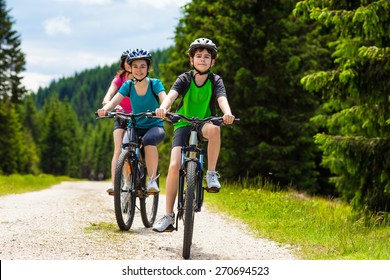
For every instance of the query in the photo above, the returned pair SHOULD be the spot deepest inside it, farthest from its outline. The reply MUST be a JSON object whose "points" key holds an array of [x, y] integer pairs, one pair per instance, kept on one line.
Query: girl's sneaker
{"points": [[152, 186]]}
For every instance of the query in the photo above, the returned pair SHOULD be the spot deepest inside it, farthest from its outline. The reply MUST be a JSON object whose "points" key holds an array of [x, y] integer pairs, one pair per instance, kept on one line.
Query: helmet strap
{"points": [[200, 73], [140, 80]]}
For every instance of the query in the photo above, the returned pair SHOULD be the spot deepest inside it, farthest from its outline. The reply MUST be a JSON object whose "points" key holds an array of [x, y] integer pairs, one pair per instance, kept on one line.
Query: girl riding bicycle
{"points": [[145, 94], [200, 90], [120, 78]]}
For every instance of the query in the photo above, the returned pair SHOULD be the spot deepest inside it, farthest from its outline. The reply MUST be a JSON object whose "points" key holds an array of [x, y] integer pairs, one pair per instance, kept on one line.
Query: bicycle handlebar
{"points": [[175, 117], [172, 117], [126, 115]]}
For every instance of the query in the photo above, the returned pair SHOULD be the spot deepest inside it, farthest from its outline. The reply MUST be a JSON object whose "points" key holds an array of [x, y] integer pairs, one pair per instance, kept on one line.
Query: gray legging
{"points": [[150, 136]]}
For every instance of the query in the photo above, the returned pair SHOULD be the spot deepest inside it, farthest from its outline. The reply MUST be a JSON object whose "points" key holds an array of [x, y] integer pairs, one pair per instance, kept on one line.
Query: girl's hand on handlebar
{"points": [[228, 118], [102, 112], [160, 112]]}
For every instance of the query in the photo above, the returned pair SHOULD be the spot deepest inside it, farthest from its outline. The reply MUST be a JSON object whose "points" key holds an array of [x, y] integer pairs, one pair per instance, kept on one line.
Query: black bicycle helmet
{"points": [[203, 43], [139, 54]]}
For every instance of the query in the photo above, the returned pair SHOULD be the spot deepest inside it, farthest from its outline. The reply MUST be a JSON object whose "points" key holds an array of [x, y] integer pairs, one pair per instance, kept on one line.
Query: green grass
{"points": [[15, 184], [102, 226], [317, 228]]}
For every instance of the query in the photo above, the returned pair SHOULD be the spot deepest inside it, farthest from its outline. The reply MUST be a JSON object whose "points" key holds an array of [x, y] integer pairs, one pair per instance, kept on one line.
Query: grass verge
{"points": [[318, 228], [16, 183]]}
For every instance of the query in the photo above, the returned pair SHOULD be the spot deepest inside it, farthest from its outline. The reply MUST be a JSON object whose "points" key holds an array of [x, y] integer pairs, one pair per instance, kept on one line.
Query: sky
{"points": [[63, 37]]}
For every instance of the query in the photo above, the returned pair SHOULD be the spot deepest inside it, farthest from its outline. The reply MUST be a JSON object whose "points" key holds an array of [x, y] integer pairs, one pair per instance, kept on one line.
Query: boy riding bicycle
{"points": [[200, 90]]}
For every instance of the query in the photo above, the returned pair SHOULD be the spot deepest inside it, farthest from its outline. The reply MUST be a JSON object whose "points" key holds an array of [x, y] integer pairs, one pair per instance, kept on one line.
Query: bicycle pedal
{"points": [[170, 228], [212, 190], [152, 193]]}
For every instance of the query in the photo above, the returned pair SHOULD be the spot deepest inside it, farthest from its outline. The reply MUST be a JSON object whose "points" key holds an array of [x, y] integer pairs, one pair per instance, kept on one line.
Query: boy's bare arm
{"points": [[223, 103], [167, 103]]}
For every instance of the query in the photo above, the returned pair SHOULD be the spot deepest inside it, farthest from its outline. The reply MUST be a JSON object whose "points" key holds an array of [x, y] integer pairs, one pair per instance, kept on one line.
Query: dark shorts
{"points": [[181, 136], [120, 123]]}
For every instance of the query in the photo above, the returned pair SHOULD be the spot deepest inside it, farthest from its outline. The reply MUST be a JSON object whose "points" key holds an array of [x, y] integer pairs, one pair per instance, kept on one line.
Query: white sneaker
{"points": [[213, 184], [165, 223], [152, 186]]}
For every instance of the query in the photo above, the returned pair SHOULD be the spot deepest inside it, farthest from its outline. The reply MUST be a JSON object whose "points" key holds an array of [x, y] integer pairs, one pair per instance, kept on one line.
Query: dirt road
{"points": [[76, 221]]}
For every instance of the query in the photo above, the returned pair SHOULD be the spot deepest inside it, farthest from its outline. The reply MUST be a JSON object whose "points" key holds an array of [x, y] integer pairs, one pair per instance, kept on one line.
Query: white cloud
{"points": [[87, 2], [160, 4], [32, 80], [57, 25]]}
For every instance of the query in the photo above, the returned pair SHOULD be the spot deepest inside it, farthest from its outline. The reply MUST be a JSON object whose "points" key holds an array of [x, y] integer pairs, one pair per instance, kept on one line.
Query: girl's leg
{"points": [[151, 160], [118, 136], [150, 140]]}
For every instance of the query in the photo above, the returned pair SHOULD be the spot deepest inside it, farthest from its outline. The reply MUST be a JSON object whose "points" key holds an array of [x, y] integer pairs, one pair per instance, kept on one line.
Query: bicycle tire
{"points": [[149, 206], [124, 198], [189, 211]]}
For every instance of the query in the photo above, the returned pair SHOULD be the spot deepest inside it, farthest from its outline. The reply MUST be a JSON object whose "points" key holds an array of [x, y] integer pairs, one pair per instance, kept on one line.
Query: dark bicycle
{"points": [[130, 177], [191, 192]]}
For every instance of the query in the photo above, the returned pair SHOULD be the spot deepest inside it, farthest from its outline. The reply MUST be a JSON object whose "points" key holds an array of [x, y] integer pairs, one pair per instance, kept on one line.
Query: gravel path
{"points": [[76, 221]]}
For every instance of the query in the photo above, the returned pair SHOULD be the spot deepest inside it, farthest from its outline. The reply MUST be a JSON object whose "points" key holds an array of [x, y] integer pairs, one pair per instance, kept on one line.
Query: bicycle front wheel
{"points": [[149, 206], [189, 208], [124, 193]]}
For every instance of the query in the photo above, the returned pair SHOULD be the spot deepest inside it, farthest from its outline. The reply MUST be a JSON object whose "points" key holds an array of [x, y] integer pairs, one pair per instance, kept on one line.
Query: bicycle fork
{"points": [[193, 151]]}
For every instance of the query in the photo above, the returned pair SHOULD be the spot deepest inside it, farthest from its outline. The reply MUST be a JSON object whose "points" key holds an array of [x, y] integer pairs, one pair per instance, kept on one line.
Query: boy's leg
{"points": [[212, 134], [172, 182], [166, 222]]}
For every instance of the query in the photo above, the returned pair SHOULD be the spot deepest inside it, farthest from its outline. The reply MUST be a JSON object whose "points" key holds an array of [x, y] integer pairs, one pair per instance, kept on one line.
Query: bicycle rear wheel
{"points": [[189, 211], [149, 206], [124, 193]]}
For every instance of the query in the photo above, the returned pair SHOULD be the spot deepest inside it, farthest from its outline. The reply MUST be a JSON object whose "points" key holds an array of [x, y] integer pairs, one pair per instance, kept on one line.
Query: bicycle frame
{"points": [[132, 142], [195, 154]]}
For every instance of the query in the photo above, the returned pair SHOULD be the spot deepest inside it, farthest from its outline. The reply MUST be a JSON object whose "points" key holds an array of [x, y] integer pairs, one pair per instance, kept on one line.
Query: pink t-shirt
{"points": [[125, 103]]}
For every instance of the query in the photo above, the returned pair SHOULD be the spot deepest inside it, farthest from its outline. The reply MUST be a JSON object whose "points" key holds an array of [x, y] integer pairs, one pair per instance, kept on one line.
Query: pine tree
{"points": [[60, 146], [356, 109], [12, 145], [12, 61]]}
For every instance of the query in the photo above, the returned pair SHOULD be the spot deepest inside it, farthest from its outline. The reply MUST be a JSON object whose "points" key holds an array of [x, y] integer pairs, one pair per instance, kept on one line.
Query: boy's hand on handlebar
{"points": [[228, 118], [102, 112], [160, 112]]}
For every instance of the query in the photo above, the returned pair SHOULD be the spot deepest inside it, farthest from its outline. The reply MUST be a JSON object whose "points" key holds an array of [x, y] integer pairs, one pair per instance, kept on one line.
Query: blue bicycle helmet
{"points": [[203, 43], [139, 54]]}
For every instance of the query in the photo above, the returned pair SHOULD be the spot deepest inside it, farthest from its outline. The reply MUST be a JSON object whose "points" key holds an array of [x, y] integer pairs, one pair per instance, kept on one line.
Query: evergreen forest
{"points": [[310, 81]]}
